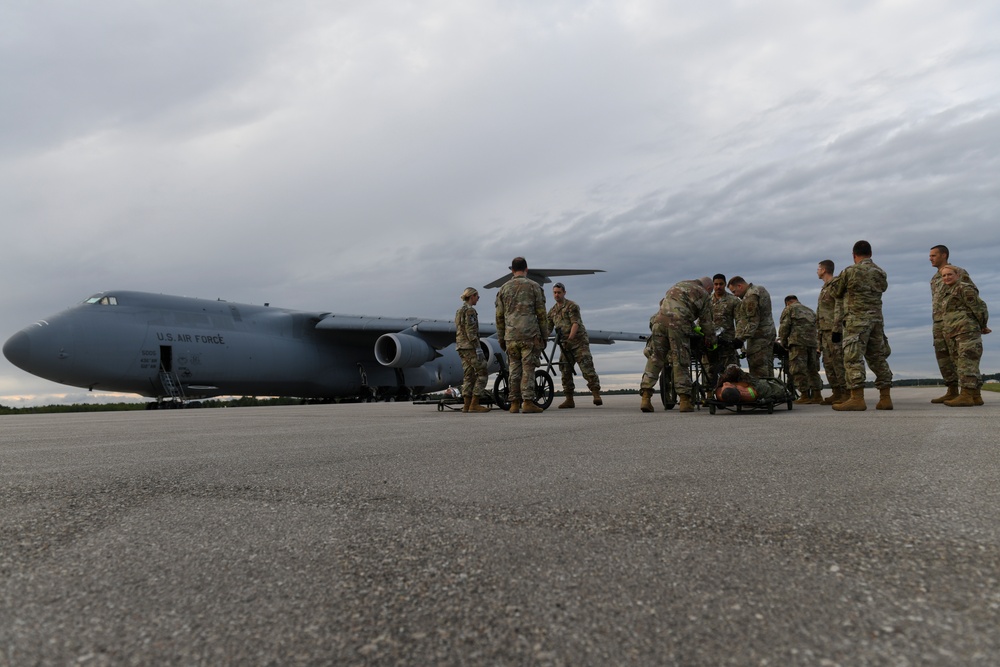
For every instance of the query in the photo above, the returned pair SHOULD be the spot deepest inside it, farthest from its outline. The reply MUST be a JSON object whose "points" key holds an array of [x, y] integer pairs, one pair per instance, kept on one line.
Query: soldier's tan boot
{"points": [[805, 398], [856, 401], [475, 407], [977, 396], [597, 396], [685, 405], [647, 404], [963, 400], [466, 400], [817, 398], [515, 406], [833, 397], [530, 407], [884, 399], [845, 395], [568, 402], [950, 394]]}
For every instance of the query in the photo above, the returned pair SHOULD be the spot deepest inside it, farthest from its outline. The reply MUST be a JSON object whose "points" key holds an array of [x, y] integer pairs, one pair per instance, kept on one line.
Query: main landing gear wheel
{"points": [[544, 390]]}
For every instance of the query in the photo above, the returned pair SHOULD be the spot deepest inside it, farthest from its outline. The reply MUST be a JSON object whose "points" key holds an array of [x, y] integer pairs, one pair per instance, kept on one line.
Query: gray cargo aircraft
{"points": [[181, 348]]}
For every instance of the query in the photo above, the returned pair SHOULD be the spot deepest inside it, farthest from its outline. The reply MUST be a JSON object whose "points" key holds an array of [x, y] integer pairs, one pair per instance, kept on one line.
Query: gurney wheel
{"points": [[545, 389], [500, 390], [711, 408], [667, 394], [770, 408]]}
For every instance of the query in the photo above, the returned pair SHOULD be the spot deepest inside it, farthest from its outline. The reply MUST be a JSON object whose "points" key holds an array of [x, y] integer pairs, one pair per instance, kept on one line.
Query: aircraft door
{"points": [[166, 359]]}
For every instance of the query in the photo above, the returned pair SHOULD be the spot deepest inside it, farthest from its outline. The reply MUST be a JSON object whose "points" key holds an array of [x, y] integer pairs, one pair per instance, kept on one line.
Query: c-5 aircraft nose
{"points": [[17, 349]]}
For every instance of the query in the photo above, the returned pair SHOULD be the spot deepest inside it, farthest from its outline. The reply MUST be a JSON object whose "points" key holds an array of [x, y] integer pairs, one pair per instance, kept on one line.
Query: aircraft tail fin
{"points": [[542, 276]]}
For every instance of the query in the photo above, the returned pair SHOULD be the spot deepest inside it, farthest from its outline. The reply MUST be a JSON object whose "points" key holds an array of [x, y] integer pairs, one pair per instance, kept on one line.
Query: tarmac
{"points": [[395, 534]]}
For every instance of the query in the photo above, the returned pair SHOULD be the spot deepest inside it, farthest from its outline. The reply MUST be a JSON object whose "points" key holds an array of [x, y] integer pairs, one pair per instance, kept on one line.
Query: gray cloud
{"points": [[372, 157]]}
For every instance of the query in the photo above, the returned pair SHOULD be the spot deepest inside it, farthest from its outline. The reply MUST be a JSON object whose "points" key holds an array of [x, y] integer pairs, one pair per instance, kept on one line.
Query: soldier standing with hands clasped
{"points": [[963, 322], [467, 344], [942, 350], [522, 329]]}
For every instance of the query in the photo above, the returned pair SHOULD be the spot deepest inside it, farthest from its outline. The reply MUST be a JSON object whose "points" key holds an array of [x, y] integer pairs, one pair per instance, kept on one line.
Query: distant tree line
{"points": [[250, 401]]}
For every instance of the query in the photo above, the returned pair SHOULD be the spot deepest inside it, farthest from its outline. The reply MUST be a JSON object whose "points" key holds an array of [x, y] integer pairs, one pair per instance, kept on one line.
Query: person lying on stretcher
{"points": [[737, 386]]}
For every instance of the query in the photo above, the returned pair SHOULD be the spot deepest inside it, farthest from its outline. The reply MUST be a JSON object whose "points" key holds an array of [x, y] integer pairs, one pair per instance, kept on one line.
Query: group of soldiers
{"points": [[523, 327], [846, 330]]}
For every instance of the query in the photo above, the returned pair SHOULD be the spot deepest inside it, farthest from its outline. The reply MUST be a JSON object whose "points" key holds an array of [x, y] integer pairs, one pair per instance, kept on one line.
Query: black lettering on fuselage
{"points": [[204, 339]]}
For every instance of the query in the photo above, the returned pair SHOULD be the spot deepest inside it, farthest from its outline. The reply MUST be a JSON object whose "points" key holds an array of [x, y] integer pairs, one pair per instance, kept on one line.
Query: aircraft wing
{"points": [[609, 337], [444, 329], [440, 333]]}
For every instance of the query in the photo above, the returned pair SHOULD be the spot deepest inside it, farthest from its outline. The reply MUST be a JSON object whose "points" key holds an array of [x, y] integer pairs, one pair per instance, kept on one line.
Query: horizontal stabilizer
{"points": [[541, 276]]}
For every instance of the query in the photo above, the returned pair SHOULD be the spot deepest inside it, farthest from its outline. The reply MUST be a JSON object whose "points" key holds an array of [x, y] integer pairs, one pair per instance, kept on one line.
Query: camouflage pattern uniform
{"points": [[467, 344], [798, 334], [755, 326], [861, 286], [724, 317], [751, 388], [657, 346], [964, 315], [685, 302], [522, 327], [829, 320], [942, 350], [563, 316]]}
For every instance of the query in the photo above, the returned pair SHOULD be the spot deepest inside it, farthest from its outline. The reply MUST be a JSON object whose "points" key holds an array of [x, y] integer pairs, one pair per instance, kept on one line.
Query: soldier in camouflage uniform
{"points": [[656, 350], [861, 286], [724, 307], [565, 318], [684, 304], [829, 320], [737, 386], [964, 317], [467, 344], [939, 258], [798, 334], [522, 329], [755, 326]]}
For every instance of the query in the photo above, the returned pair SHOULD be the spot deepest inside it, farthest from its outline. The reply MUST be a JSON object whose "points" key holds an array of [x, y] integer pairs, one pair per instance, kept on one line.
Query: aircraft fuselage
{"points": [[124, 342]]}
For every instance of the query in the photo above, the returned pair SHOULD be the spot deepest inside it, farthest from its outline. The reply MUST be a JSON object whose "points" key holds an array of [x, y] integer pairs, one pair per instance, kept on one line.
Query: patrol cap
{"points": [[560, 286], [518, 264], [469, 293]]}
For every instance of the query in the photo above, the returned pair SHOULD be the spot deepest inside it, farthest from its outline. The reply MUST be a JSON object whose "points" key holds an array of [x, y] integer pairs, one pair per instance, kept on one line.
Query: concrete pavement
{"points": [[397, 534]]}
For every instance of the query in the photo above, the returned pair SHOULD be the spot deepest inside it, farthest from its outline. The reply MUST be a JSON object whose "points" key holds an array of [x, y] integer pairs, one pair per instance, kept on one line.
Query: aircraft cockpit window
{"points": [[103, 300]]}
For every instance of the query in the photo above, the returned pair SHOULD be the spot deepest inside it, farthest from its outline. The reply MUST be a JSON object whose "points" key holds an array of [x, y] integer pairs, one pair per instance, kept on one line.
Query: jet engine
{"points": [[491, 347], [398, 350]]}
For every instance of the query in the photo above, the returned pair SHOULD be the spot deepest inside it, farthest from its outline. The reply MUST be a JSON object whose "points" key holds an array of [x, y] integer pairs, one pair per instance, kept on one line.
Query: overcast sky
{"points": [[375, 157]]}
